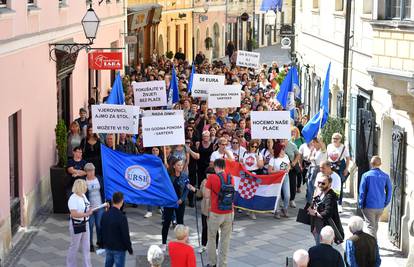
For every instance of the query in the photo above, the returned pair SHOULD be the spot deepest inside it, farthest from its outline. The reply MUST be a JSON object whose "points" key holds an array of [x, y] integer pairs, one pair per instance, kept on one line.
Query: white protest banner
{"points": [[203, 82], [150, 94], [163, 130], [227, 96], [248, 59], [166, 112], [270, 124], [115, 119]]}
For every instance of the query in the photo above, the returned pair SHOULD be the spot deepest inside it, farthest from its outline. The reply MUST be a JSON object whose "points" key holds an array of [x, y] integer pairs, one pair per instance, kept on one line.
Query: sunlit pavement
{"points": [[262, 242]]}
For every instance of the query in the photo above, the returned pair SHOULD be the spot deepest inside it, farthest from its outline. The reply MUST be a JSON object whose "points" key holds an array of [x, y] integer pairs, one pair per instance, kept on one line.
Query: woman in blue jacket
{"points": [[182, 186]]}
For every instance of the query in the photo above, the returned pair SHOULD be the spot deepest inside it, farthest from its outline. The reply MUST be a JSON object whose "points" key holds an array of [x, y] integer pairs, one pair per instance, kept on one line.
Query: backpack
{"points": [[226, 194]]}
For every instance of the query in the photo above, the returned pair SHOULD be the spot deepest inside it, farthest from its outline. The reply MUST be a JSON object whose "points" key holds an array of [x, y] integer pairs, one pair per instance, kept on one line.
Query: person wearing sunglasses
{"points": [[324, 210], [252, 159], [236, 148], [221, 152], [338, 155]]}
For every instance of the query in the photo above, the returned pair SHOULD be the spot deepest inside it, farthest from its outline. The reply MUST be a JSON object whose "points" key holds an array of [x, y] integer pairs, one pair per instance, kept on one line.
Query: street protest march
{"points": [[143, 179], [255, 192]]}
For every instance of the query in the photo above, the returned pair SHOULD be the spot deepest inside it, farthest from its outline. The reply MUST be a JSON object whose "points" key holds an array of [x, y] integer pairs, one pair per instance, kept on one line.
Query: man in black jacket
{"points": [[361, 248], [115, 233], [324, 254], [324, 210]]}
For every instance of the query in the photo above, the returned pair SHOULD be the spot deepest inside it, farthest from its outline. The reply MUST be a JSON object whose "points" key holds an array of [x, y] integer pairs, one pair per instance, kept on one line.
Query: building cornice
{"points": [[392, 25], [20, 42]]}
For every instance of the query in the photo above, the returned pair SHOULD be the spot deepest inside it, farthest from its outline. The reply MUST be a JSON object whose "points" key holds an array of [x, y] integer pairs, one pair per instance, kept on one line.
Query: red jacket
{"points": [[181, 255]]}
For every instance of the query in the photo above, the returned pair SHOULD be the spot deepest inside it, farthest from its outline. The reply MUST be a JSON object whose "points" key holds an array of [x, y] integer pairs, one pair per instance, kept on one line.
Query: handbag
{"points": [[303, 217], [337, 165], [79, 226]]}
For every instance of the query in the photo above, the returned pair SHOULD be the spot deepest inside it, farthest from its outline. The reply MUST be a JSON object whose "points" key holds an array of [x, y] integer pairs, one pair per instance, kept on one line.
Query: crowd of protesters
{"points": [[196, 167]]}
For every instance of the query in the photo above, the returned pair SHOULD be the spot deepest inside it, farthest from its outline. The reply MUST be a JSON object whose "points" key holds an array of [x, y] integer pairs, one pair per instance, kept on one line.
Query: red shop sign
{"points": [[105, 60]]}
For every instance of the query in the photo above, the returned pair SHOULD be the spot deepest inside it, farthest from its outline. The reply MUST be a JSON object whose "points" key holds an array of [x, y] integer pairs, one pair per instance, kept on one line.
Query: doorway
{"points": [[14, 174], [63, 98]]}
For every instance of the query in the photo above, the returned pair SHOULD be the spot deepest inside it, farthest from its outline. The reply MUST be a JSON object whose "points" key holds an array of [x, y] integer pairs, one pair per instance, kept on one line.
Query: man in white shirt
{"points": [[325, 169]]}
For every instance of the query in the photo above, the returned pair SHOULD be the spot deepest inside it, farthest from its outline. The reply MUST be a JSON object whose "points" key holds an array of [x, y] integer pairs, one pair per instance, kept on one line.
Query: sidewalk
{"points": [[263, 242]]}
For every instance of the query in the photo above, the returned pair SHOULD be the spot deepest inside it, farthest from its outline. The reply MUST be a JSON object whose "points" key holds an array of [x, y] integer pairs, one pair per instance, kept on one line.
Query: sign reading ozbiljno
{"points": [[270, 124], [248, 59], [115, 119], [204, 82], [150, 94]]}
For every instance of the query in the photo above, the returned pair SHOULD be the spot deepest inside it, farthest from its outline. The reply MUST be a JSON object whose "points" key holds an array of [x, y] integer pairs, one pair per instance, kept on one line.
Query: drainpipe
{"points": [[347, 38], [292, 46]]}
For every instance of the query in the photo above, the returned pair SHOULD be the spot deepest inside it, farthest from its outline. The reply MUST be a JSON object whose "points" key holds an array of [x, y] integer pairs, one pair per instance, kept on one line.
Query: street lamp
{"points": [[90, 24]]}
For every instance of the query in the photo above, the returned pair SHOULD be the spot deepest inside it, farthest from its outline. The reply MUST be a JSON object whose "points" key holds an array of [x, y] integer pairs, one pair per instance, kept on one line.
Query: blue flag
{"points": [[142, 179], [174, 87], [190, 81], [116, 96], [271, 5], [288, 90], [311, 129]]}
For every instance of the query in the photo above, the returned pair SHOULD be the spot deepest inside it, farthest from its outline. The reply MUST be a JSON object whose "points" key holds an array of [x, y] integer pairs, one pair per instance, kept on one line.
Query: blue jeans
{"points": [[310, 189], [115, 256], [95, 219], [286, 194]]}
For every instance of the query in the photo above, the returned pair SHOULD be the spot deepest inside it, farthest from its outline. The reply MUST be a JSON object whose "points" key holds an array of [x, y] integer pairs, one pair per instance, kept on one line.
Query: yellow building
{"points": [[176, 29], [143, 20]]}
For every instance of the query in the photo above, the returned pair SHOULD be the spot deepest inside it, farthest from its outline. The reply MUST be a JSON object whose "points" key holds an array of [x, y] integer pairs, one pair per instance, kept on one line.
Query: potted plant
{"points": [[58, 175], [333, 125]]}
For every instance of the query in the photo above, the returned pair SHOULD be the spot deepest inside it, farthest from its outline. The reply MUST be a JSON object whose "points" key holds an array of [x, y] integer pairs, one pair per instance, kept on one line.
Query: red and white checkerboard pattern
{"points": [[247, 188]]}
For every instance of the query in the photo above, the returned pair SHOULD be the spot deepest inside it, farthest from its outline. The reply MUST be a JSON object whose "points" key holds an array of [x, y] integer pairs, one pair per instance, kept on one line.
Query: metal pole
{"points": [[193, 41], [346, 53]]}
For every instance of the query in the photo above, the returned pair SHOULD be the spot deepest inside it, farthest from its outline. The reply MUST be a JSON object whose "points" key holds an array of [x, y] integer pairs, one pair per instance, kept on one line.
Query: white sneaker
{"points": [[148, 214], [163, 247], [252, 216], [202, 249], [340, 208], [292, 204]]}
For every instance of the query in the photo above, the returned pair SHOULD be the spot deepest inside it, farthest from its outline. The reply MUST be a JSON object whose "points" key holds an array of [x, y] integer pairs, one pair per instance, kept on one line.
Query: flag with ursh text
{"points": [[142, 179]]}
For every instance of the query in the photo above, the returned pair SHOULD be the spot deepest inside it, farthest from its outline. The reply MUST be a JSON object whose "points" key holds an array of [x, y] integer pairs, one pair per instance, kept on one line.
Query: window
{"points": [[3, 3], [30, 2], [339, 5], [315, 4], [399, 9], [367, 7]]}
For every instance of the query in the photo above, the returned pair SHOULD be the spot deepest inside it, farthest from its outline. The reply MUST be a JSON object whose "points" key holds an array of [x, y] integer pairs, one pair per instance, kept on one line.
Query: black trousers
{"points": [[168, 216], [193, 181], [292, 183], [204, 232]]}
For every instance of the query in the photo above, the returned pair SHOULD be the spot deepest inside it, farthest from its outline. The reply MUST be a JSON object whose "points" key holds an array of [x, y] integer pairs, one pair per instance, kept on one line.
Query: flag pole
{"points": [[165, 155], [320, 121], [113, 143]]}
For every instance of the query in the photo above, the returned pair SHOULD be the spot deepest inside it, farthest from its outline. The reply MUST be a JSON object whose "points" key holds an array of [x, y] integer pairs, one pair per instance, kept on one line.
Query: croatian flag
{"points": [[254, 192]]}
